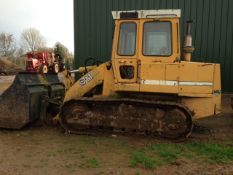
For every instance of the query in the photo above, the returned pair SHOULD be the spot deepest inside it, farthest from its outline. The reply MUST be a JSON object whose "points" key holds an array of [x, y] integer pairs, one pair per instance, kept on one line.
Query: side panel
{"points": [[207, 106], [197, 84], [185, 79], [203, 107], [159, 77], [196, 78], [217, 78]]}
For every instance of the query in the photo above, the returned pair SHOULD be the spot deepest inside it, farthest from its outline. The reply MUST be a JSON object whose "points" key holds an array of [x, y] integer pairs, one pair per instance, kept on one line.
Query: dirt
{"points": [[7, 67], [185, 167], [40, 149], [47, 150]]}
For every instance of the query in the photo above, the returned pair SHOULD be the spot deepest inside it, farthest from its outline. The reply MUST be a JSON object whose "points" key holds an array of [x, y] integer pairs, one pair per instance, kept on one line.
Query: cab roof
{"points": [[168, 13]]}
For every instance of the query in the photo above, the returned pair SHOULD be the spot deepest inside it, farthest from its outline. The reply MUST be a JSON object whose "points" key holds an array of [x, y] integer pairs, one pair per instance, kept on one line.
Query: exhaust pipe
{"points": [[188, 47]]}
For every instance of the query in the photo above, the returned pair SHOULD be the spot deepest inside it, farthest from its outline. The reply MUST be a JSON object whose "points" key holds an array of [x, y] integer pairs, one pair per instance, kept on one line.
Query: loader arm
{"points": [[86, 83]]}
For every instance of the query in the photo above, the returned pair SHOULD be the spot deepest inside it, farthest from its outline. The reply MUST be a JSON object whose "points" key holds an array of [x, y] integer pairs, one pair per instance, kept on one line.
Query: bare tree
{"points": [[32, 40], [7, 44]]}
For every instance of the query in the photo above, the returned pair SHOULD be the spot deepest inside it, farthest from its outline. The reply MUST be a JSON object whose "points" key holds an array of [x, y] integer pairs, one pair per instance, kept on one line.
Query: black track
{"points": [[166, 119]]}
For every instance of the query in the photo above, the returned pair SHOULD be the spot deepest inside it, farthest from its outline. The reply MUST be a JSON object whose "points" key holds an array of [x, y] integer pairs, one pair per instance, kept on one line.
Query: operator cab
{"points": [[142, 38]]}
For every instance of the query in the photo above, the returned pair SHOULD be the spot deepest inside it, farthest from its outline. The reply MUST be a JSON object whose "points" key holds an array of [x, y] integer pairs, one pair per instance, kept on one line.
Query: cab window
{"points": [[157, 39], [127, 39]]}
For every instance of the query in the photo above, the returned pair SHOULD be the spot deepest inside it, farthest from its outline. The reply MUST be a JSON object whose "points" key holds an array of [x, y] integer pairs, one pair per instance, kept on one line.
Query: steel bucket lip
{"points": [[26, 72], [47, 81], [7, 78]]}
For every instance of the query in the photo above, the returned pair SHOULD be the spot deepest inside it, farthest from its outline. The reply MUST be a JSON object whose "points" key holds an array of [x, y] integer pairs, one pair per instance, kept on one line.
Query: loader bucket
{"points": [[27, 99]]}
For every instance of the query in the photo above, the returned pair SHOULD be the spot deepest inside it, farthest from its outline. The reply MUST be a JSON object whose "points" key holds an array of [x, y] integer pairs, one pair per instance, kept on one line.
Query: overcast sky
{"points": [[53, 18]]}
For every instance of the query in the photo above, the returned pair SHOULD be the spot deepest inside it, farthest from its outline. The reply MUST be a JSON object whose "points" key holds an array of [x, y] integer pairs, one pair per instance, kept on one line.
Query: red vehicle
{"points": [[42, 62]]}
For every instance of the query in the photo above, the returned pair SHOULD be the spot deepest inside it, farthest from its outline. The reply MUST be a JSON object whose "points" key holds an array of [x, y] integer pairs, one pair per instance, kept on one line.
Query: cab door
{"points": [[125, 51], [159, 50]]}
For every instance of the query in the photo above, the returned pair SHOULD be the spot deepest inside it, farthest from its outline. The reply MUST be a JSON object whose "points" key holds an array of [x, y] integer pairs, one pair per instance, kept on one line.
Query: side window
{"points": [[157, 39], [127, 39]]}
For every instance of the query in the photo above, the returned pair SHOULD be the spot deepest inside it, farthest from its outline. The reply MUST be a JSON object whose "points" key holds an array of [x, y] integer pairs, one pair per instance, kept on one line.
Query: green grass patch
{"points": [[92, 163], [214, 153], [167, 152], [143, 159], [160, 154]]}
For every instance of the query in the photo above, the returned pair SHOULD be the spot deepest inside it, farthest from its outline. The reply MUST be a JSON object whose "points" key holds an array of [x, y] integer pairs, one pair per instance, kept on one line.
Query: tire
{"points": [[44, 69], [56, 68]]}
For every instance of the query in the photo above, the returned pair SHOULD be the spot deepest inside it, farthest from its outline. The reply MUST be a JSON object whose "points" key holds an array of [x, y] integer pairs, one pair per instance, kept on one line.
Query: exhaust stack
{"points": [[188, 47]]}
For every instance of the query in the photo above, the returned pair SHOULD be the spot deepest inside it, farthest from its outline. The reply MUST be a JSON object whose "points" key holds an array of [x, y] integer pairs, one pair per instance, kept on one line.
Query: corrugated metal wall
{"points": [[212, 30]]}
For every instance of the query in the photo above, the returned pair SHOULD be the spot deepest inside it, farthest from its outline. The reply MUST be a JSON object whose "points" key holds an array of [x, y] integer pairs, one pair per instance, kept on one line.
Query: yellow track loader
{"points": [[149, 86]]}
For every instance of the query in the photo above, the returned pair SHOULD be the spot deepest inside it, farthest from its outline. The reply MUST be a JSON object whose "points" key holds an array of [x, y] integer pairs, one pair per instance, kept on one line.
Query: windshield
{"points": [[127, 39], [157, 39]]}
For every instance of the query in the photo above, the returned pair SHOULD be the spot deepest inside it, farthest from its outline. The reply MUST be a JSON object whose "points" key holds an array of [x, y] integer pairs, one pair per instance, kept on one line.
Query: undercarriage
{"points": [[166, 119]]}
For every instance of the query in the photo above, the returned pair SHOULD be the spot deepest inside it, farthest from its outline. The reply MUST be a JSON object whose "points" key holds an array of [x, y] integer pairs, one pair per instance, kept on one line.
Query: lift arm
{"points": [[86, 83]]}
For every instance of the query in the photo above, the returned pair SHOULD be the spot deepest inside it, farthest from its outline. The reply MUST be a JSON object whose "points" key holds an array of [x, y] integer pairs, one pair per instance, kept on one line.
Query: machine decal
{"points": [[160, 82], [85, 79], [175, 83], [184, 83]]}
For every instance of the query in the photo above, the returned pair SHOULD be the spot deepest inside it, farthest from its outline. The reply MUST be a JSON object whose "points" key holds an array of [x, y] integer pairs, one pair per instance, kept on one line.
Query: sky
{"points": [[53, 18]]}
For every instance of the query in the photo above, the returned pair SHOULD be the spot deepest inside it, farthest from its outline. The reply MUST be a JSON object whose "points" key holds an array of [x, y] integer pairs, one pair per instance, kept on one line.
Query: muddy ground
{"points": [[41, 149], [47, 150]]}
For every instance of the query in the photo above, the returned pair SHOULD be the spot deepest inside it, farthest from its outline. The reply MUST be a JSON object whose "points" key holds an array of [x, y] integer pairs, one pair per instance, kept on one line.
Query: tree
{"points": [[64, 52], [7, 44], [32, 40]]}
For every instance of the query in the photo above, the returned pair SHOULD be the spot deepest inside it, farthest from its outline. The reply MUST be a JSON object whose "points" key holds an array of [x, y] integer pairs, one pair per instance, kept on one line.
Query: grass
{"points": [[92, 163], [141, 158], [215, 153], [160, 154]]}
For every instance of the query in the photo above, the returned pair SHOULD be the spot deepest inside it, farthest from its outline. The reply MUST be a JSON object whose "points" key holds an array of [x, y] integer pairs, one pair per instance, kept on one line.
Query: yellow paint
{"points": [[78, 90]]}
